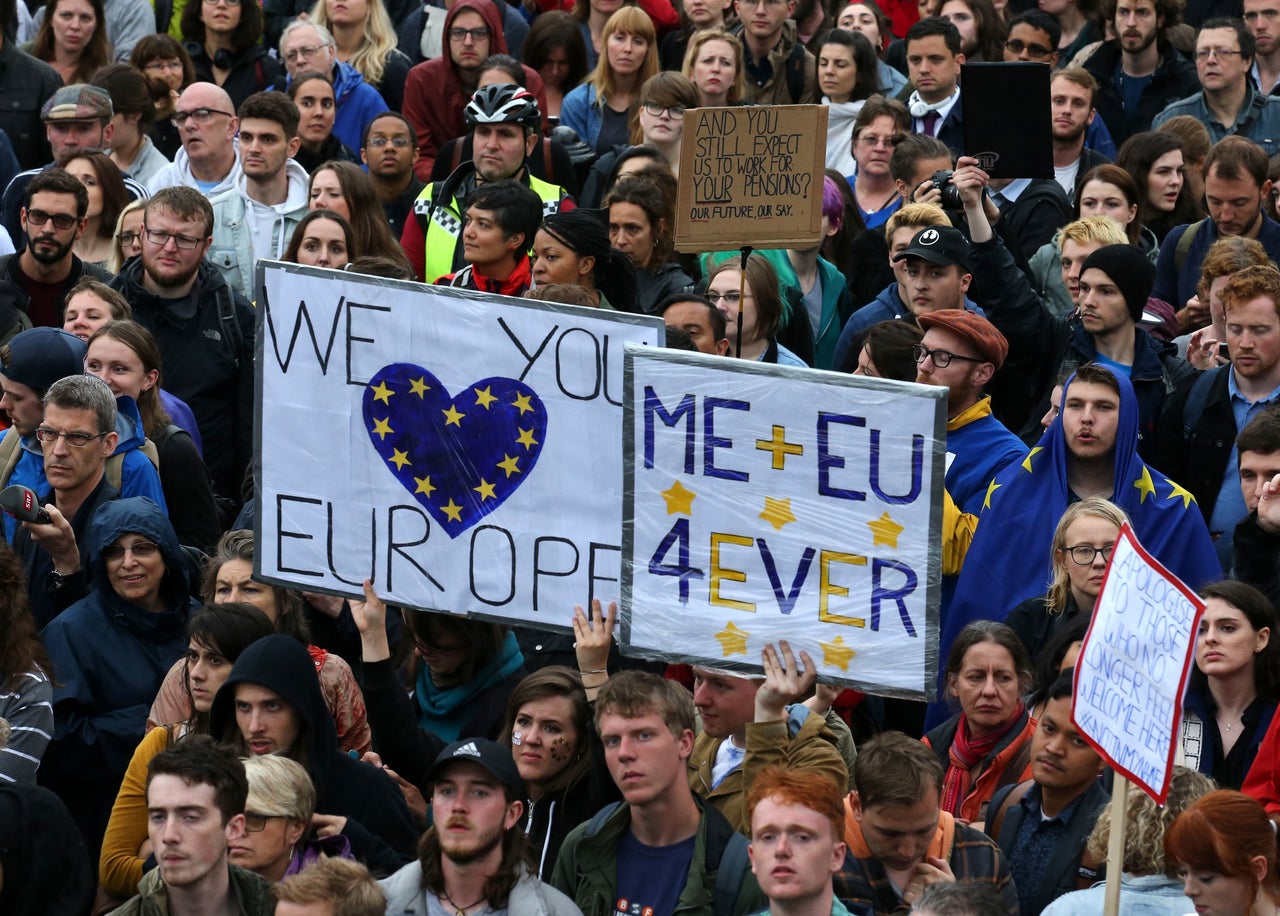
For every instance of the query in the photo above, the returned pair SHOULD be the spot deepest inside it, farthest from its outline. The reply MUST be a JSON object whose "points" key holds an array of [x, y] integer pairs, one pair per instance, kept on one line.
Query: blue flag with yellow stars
{"points": [[1009, 560]]}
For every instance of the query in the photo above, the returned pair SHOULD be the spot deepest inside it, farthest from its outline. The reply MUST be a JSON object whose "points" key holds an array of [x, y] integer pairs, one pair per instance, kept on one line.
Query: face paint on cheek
{"points": [[517, 739], [559, 750]]}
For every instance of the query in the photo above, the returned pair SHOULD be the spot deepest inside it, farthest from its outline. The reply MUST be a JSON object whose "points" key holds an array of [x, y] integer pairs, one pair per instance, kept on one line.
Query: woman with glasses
{"points": [[128, 236], [312, 92], [664, 98], [73, 39], [125, 356], [987, 745], [847, 78], [1082, 545], [107, 198], [163, 60], [111, 650], [758, 301], [713, 63], [1232, 693], [228, 577], [216, 635], [224, 37], [875, 134], [134, 99], [604, 109], [278, 840]]}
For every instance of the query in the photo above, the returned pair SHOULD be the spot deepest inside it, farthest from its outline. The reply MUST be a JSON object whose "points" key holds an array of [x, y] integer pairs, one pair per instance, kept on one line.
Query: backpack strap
{"points": [[546, 159], [1016, 794], [1193, 409], [734, 862], [114, 471], [231, 333], [795, 71], [10, 453], [1184, 247], [456, 160], [598, 819]]}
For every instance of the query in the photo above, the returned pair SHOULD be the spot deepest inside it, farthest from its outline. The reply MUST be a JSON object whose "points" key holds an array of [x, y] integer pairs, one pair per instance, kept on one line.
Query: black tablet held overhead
{"points": [[1008, 125]]}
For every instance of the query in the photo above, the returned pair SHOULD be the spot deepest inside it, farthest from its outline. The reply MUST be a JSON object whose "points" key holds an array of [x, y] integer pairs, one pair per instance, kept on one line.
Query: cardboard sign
{"points": [[1133, 666], [767, 503], [461, 450], [751, 176]]}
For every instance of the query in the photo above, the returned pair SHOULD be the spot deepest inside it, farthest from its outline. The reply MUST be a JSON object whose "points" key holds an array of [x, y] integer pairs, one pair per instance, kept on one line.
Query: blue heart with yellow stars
{"points": [[459, 456]]}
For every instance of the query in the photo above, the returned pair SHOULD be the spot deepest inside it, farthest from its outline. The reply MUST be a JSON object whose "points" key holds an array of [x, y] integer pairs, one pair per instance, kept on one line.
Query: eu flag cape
{"points": [[1009, 559]]}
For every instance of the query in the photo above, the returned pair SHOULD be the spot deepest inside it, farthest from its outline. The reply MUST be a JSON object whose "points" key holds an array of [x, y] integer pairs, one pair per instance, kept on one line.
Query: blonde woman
{"points": [[1082, 545], [366, 40], [714, 63], [603, 110]]}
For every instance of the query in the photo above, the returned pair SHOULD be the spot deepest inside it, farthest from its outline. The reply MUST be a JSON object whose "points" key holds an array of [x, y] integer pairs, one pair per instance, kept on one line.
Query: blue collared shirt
{"points": [[1229, 507]]}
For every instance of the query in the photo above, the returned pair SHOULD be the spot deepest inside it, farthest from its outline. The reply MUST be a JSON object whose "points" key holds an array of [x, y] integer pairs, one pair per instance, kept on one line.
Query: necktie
{"points": [[930, 123]]}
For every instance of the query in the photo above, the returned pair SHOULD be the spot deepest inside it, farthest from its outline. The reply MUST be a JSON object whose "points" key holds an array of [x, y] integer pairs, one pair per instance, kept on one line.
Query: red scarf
{"points": [[965, 753]]}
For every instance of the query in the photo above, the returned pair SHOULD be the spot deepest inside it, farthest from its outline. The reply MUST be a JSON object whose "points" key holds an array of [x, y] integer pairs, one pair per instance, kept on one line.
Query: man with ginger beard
{"points": [[476, 843]]}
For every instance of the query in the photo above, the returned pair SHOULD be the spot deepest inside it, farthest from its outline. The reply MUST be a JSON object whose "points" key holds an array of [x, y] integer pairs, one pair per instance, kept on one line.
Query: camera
{"points": [[950, 193]]}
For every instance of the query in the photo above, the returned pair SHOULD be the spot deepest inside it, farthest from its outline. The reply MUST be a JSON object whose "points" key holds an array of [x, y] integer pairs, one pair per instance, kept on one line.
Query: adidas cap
{"points": [[489, 754]]}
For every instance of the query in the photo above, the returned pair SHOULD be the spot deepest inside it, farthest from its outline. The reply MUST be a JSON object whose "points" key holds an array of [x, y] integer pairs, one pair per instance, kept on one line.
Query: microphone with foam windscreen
{"points": [[22, 504]]}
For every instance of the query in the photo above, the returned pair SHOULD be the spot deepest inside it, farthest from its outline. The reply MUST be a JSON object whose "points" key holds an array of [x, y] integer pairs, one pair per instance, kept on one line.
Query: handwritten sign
{"points": [[751, 176], [457, 448], [1133, 666], [767, 503]]}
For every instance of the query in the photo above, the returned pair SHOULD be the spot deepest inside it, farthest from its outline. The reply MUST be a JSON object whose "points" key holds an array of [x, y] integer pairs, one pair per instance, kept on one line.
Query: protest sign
{"points": [[459, 449], [751, 176], [767, 503], [1133, 666]]}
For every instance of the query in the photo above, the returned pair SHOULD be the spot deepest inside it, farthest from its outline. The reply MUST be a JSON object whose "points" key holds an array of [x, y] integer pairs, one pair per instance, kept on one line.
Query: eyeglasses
{"points": [[733, 297], [141, 551], [60, 220], [1221, 53], [128, 238], [654, 110], [199, 115], [1034, 51], [479, 34], [940, 358], [753, 4], [75, 440], [304, 51], [256, 823], [871, 142], [160, 238], [380, 142], [160, 66], [1083, 554], [429, 646]]}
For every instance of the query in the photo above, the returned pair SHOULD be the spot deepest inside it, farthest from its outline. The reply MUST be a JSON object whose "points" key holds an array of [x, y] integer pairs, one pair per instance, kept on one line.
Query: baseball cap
{"points": [[78, 102], [938, 245], [980, 333], [481, 751], [38, 357]]}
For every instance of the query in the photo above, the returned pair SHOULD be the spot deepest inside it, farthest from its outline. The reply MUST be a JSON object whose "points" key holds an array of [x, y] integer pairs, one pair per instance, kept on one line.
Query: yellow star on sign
{"points": [[383, 427], [733, 639], [1026, 464], [777, 512], [526, 439], [991, 489], [452, 417], [885, 530], [418, 386], [399, 459], [1144, 485], [453, 510], [483, 397], [522, 404], [424, 486], [509, 464], [1180, 491], [485, 490], [836, 653], [679, 500], [382, 393]]}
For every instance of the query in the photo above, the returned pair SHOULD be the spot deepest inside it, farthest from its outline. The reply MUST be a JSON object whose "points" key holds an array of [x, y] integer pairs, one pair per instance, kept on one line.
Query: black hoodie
{"points": [[44, 861], [379, 826]]}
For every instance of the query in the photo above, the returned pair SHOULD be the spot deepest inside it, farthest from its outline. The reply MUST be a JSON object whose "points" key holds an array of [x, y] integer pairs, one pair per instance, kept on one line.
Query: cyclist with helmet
{"points": [[505, 122]]}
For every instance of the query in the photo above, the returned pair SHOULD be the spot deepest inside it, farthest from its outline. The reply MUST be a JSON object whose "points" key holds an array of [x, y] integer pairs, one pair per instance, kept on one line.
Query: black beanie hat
{"points": [[1130, 270]]}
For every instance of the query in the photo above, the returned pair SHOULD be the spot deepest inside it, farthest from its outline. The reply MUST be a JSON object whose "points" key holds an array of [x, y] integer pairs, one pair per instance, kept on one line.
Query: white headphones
{"points": [[918, 107]]}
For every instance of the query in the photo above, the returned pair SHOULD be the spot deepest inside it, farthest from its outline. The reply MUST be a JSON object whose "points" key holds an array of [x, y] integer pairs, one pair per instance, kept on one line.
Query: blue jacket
{"points": [[110, 658], [580, 111], [884, 307], [138, 476], [357, 105], [1177, 286]]}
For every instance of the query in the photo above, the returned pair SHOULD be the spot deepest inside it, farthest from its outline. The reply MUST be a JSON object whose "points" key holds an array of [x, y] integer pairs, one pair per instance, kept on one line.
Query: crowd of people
{"points": [[178, 737]]}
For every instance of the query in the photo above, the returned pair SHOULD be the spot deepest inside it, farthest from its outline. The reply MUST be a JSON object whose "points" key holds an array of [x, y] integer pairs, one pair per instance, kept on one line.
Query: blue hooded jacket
{"points": [[357, 104], [138, 477], [110, 657]]}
